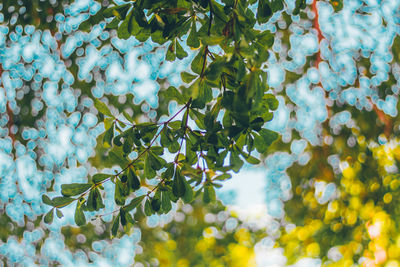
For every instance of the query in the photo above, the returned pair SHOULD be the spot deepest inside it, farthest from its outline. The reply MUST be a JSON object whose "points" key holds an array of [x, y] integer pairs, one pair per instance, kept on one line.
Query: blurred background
{"points": [[327, 193]]}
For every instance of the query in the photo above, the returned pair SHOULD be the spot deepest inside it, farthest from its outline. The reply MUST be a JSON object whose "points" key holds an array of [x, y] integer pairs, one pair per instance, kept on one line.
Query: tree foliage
{"points": [[341, 200], [225, 105]]}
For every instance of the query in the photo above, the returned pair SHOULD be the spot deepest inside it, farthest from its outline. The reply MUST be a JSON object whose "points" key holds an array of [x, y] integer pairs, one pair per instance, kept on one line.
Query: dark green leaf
{"points": [[48, 218], [133, 180], [198, 61], [61, 201], [170, 56], [74, 189], [180, 53], [193, 39], [165, 202], [235, 161], [99, 177], [264, 12], [79, 217], [134, 203], [188, 196], [108, 136], [120, 194], [59, 213], [208, 194], [101, 107], [252, 160], [123, 29], [115, 226], [46, 200], [187, 77], [264, 140], [147, 208], [178, 185], [155, 204], [223, 177]]}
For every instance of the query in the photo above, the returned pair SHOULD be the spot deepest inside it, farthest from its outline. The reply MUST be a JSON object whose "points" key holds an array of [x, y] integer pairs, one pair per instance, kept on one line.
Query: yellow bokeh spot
{"points": [[394, 252], [387, 180], [394, 184], [201, 245], [387, 198], [361, 140], [349, 173], [355, 189], [171, 244], [374, 187], [355, 203], [313, 250], [183, 263], [392, 264], [361, 157], [336, 227], [351, 217], [302, 234]]}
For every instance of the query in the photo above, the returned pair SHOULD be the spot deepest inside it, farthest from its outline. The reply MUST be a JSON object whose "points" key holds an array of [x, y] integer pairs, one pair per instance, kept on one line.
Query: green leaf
{"points": [[219, 11], [208, 194], [223, 177], [94, 201], [122, 216], [252, 160], [149, 172], [99, 200], [170, 56], [156, 162], [204, 95], [127, 116], [99, 177], [235, 161], [188, 196], [147, 208], [79, 217], [113, 24], [214, 70], [74, 189], [212, 39], [180, 52], [265, 39], [165, 202], [264, 12], [115, 226], [155, 204], [127, 147], [133, 180], [187, 77], [133, 27], [193, 39], [178, 184], [273, 103], [60, 202], [48, 218], [197, 63], [123, 29], [264, 140], [119, 195], [108, 122], [134, 203], [108, 136], [101, 107], [46, 200], [257, 123], [59, 213], [276, 5]]}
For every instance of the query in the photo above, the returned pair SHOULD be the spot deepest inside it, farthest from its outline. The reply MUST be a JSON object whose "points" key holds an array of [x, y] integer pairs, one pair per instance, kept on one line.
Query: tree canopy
{"points": [[117, 114]]}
